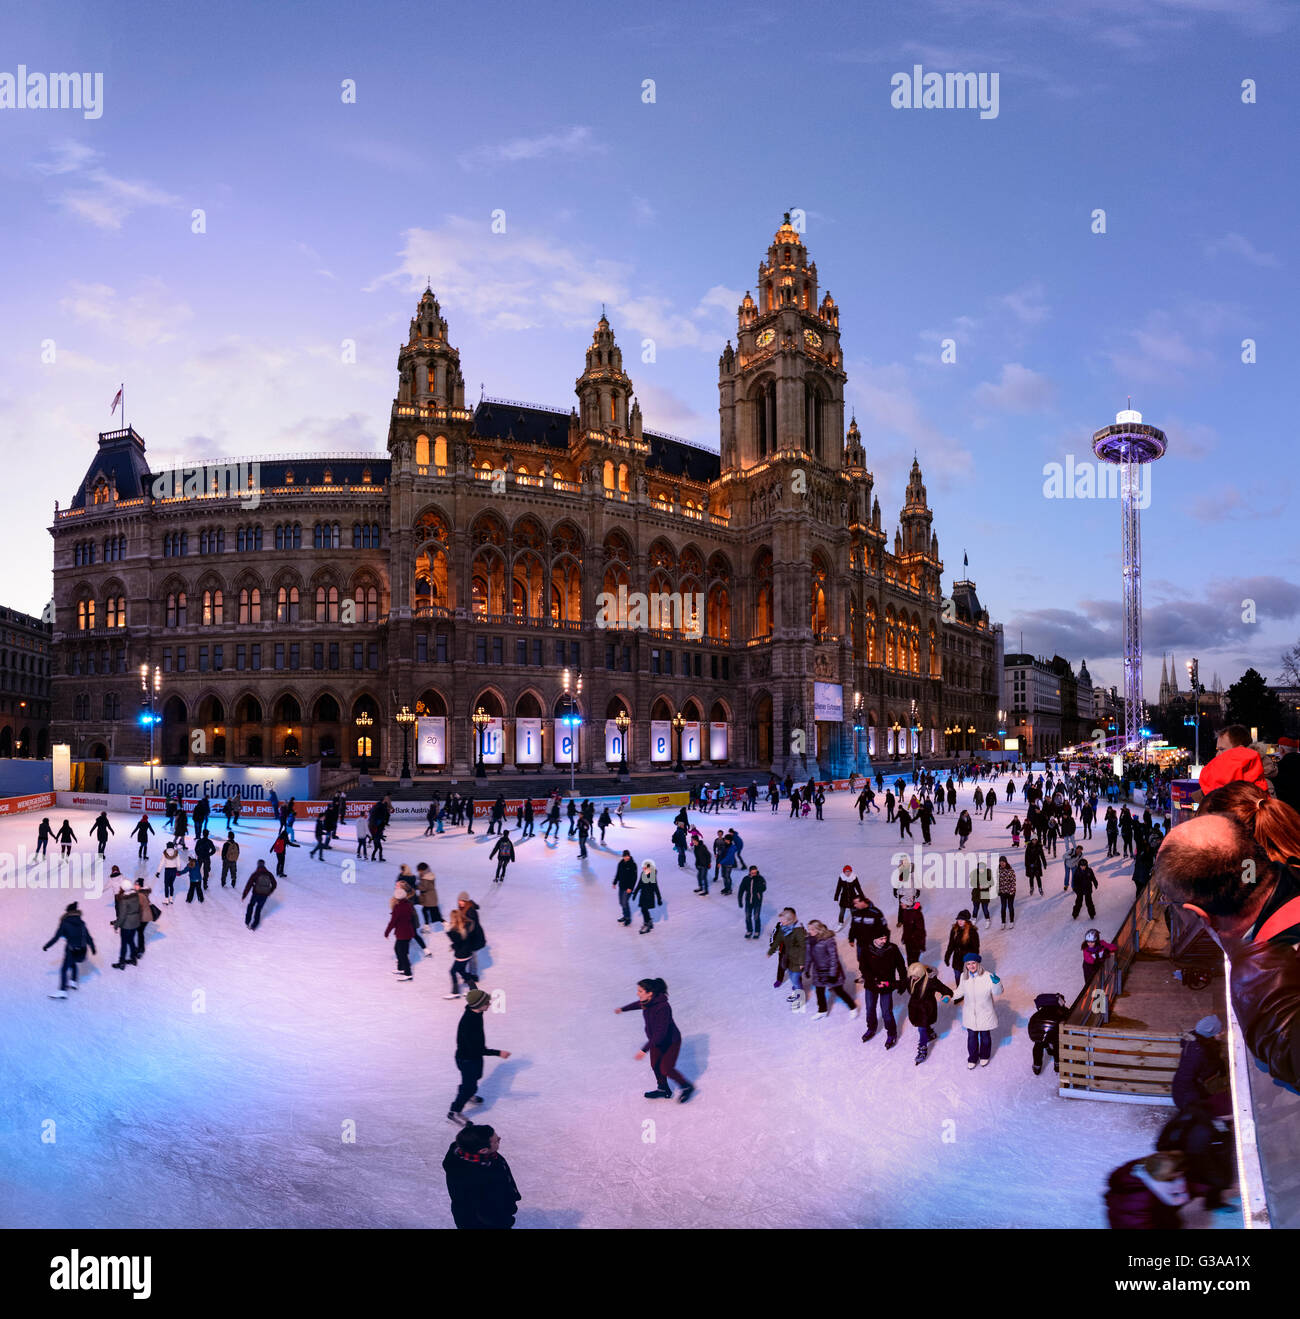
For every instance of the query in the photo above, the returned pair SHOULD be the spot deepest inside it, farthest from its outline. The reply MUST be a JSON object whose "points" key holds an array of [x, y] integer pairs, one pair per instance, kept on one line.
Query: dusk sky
{"points": [[323, 219]]}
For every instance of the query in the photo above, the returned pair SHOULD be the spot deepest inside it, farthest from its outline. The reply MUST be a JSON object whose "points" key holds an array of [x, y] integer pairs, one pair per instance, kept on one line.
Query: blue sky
{"points": [[323, 218]]}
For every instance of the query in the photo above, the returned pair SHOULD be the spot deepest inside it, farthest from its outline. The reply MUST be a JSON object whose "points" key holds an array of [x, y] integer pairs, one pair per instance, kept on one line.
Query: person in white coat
{"points": [[975, 992]]}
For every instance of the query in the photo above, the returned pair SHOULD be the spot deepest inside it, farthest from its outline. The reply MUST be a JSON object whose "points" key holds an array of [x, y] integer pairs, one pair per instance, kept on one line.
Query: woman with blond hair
{"points": [[825, 971]]}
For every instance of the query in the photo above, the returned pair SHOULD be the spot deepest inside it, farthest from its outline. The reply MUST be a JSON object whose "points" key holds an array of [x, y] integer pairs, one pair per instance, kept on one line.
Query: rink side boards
{"points": [[35, 801]]}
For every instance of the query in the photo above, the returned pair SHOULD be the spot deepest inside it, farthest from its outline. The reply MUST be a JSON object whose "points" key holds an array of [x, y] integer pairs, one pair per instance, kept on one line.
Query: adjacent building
{"points": [[25, 703]]}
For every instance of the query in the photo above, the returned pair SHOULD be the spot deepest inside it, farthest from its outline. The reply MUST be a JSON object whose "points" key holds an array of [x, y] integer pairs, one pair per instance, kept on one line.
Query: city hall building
{"points": [[742, 609]]}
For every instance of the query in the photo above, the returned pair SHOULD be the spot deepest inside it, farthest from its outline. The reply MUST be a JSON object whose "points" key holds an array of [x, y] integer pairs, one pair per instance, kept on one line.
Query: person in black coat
{"points": [[504, 850], [625, 880], [1050, 1011], [883, 973], [911, 920], [76, 939], [471, 1049], [703, 863], [1083, 883], [663, 1039], [922, 1010], [482, 1189], [868, 921]]}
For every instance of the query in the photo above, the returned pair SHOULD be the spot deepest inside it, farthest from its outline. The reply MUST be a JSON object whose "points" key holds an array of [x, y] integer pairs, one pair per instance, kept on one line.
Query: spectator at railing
{"points": [[1249, 898]]}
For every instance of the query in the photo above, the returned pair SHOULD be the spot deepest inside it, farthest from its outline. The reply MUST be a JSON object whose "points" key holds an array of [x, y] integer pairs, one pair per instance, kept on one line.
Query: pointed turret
{"points": [[428, 366], [604, 389]]}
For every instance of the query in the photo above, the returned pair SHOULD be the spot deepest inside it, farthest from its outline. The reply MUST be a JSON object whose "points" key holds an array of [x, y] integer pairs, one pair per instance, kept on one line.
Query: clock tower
{"points": [[782, 387]]}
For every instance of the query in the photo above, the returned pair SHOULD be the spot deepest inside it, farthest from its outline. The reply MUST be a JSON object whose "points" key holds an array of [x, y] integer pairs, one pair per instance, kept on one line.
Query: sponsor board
{"points": [[35, 802], [646, 801]]}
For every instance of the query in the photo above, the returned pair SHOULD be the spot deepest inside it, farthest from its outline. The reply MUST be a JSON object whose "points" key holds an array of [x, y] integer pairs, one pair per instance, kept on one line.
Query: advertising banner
{"points": [[717, 741], [249, 783], [828, 702], [62, 758], [431, 740], [661, 741], [613, 741], [566, 743], [14, 805], [528, 741], [691, 740]]}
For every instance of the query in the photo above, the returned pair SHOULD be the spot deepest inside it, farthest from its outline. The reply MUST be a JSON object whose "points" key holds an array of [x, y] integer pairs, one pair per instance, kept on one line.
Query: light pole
{"points": [[970, 732], [406, 717], [622, 722], [679, 723], [149, 701], [857, 729], [572, 721], [896, 728], [1194, 672], [480, 719], [914, 736]]}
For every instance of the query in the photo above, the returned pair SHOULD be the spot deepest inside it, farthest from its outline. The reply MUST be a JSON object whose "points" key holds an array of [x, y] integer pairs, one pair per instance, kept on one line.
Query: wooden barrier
{"points": [[1136, 1066]]}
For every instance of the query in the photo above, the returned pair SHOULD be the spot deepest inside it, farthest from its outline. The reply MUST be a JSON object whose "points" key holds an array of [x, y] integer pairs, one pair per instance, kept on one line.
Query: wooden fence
{"points": [[1098, 1059]]}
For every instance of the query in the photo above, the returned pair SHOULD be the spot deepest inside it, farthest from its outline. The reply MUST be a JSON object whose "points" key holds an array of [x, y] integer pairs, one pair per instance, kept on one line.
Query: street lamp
{"points": [[406, 717], [149, 700], [971, 734], [1194, 673], [622, 722], [896, 728], [572, 721], [679, 723], [857, 728], [914, 736], [480, 719]]}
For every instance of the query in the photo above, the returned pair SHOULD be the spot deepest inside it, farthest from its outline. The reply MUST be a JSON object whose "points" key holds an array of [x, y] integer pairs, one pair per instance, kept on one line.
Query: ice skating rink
{"points": [[285, 1078]]}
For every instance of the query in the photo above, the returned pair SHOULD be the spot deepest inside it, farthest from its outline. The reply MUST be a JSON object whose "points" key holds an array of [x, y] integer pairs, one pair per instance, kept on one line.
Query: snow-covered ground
{"points": [[213, 1085]]}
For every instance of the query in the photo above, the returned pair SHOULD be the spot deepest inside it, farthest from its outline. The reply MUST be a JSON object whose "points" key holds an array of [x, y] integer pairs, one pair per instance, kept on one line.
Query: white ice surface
{"points": [[233, 1116]]}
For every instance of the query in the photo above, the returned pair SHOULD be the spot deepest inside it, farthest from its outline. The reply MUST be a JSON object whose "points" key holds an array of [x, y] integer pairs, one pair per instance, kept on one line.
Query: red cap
{"points": [[848, 870]]}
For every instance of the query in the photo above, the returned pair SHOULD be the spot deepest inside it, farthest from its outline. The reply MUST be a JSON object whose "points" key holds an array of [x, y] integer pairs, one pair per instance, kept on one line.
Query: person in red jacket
{"points": [[401, 924], [1146, 1194], [1236, 759], [1095, 950]]}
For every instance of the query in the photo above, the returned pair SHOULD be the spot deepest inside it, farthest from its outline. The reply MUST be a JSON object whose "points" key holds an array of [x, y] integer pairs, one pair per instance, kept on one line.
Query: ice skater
{"points": [[76, 939], [460, 934], [825, 970], [427, 884], [922, 1010], [141, 834], [43, 835], [750, 897], [482, 1188], [847, 887], [471, 1049], [65, 838], [401, 925], [261, 884], [504, 851], [979, 1015], [170, 865], [663, 1039], [126, 907], [647, 894], [230, 861], [625, 882]]}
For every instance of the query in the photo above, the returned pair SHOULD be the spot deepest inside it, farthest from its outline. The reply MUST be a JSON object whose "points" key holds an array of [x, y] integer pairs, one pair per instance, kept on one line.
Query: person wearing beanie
{"points": [[127, 922], [963, 938], [1202, 1076], [141, 834], [624, 882], [847, 887], [401, 925], [663, 1039], [471, 1049], [1083, 881], [147, 909], [883, 974], [963, 827], [1236, 759], [976, 991], [76, 939], [261, 884], [1007, 891], [647, 894], [482, 1189], [923, 987]]}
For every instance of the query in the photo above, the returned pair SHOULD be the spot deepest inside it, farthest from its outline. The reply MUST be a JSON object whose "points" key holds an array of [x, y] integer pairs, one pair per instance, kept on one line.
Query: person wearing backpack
{"points": [[229, 860], [261, 884], [76, 939], [504, 851], [749, 895]]}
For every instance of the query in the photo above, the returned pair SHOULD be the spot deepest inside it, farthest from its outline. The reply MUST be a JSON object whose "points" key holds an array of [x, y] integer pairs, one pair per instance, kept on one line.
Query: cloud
{"points": [[1018, 390], [642, 211], [1237, 245], [1026, 304], [95, 195], [1229, 504], [1164, 347], [567, 144], [148, 315]]}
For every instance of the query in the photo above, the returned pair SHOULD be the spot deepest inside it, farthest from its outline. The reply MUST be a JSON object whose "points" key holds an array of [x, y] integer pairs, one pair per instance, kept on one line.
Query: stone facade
{"points": [[24, 685], [311, 598]]}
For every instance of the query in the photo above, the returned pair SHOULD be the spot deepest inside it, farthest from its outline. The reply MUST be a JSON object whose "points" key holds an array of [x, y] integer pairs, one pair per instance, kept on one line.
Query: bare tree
{"points": [[1291, 666]]}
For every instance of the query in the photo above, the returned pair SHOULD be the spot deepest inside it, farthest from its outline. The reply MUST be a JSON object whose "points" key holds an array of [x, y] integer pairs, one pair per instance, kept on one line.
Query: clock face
{"points": [[765, 338], [812, 338]]}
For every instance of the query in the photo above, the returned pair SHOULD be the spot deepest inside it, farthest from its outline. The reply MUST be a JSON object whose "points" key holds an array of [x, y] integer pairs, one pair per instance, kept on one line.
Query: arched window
{"points": [[422, 451], [286, 605], [213, 608], [440, 451], [250, 605], [367, 604], [327, 604], [608, 475]]}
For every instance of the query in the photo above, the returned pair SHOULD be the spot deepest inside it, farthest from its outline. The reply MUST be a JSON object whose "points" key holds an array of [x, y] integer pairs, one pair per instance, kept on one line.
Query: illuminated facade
{"points": [[461, 571]]}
